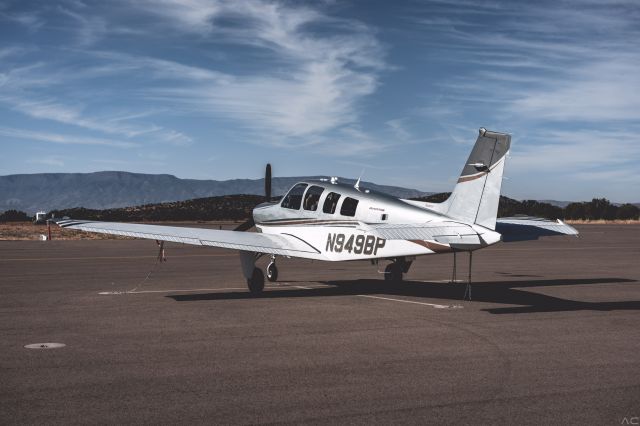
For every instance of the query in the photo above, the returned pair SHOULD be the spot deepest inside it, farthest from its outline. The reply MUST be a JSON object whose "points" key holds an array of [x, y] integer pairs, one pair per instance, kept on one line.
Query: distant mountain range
{"points": [[108, 190], [105, 190]]}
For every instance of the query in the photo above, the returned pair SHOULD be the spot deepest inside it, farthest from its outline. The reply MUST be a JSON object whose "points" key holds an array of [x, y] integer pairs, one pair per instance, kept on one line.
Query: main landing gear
{"points": [[467, 291], [272, 270], [256, 281], [394, 271], [253, 275]]}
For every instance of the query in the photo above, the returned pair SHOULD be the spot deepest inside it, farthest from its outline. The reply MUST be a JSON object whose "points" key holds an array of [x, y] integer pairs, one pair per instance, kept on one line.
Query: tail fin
{"points": [[477, 194]]}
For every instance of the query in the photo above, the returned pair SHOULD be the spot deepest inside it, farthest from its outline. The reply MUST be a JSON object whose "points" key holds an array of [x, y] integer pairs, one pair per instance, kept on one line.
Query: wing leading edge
{"points": [[281, 244]]}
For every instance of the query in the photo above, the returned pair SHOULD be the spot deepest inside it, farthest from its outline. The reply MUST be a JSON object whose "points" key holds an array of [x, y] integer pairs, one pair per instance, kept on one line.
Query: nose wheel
{"points": [[272, 271]]}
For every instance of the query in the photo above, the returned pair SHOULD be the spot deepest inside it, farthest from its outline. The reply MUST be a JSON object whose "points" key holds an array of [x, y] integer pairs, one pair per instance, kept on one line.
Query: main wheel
{"points": [[256, 282], [393, 273], [272, 272]]}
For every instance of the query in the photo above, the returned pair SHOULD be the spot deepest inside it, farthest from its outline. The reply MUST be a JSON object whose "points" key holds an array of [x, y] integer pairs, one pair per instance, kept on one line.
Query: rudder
{"points": [[477, 194]]}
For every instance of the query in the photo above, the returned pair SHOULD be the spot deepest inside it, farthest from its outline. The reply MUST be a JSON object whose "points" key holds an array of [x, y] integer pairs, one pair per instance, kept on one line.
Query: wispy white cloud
{"points": [[318, 69], [585, 81], [322, 78], [400, 131], [398, 128], [64, 139], [26, 89], [11, 51], [350, 141], [343, 142], [56, 90], [118, 125], [114, 63], [49, 160], [185, 16], [116, 163], [89, 29], [599, 157], [601, 91], [31, 20], [571, 66]]}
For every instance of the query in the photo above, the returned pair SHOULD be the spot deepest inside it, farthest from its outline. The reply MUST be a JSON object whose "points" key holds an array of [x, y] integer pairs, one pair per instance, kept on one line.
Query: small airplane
{"points": [[331, 221]]}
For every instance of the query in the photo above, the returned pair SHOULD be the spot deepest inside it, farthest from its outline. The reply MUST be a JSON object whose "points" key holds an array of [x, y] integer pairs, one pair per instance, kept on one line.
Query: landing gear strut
{"points": [[467, 291], [454, 275], [272, 270]]}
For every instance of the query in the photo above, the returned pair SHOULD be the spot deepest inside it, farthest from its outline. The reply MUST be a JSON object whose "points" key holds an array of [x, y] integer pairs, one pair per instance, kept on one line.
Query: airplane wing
{"points": [[531, 228], [281, 244]]}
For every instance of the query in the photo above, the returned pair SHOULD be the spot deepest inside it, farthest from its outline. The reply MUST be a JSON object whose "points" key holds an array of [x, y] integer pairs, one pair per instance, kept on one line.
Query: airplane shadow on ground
{"points": [[502, 292]]}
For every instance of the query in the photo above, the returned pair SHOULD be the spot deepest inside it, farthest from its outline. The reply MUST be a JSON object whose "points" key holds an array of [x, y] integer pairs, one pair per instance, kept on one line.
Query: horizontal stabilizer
{"points": [[531, 228], [421, 231], [456, 235]]}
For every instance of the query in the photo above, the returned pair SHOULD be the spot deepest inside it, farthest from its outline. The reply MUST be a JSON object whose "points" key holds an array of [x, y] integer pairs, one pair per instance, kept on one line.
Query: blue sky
{"points": [[214, 89]]}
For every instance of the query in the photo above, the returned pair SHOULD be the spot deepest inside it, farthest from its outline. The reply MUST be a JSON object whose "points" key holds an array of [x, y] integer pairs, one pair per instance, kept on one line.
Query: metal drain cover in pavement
{"points": [[45, 345]]}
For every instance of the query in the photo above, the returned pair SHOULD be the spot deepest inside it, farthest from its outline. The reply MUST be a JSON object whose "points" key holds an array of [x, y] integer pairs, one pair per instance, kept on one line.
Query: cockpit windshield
{"points": [[293, 199]]}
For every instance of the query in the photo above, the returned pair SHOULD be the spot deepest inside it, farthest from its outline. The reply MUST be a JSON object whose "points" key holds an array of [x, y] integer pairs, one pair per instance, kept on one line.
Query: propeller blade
{"points": [[244, 226], [249, 223], [267, 183]]}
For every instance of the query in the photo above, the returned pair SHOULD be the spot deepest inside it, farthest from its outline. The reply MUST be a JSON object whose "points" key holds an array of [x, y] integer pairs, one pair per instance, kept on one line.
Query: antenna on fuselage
{"points": [[357, 184]]}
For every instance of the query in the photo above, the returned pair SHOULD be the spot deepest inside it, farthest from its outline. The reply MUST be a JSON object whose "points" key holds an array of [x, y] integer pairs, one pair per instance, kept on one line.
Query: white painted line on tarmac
{"points": [[433, 305], [186, 290], [105, 293], [55, 259], [170, 291]]}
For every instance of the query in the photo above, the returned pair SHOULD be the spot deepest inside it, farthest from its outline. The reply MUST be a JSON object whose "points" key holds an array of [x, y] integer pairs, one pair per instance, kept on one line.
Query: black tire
{"points": [[256, 282], [272, 272], [393, 273]]}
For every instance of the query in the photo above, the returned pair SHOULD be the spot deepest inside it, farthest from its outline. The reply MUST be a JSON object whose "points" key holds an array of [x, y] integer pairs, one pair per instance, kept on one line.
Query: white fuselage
{"points": [[343, 228]]}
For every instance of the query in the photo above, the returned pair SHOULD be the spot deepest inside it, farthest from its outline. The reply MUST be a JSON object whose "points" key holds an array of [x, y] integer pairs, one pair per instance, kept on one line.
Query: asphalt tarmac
{"points": [[552, 335]]}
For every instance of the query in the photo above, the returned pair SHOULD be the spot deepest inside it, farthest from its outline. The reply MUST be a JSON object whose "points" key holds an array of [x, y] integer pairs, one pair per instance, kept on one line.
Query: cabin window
{"points": [[384, 216], [330, 203], [312, 198], [349, 206], [293, 199]]}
